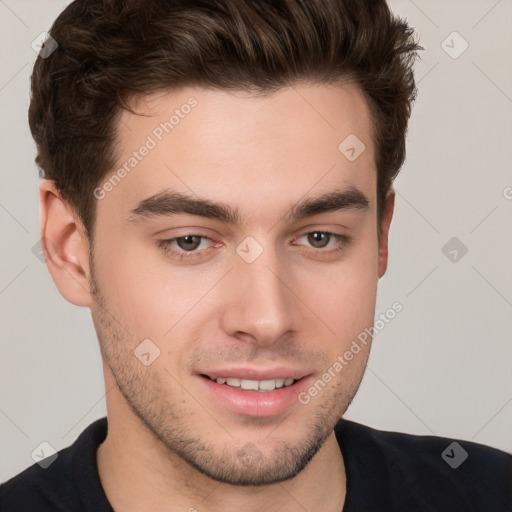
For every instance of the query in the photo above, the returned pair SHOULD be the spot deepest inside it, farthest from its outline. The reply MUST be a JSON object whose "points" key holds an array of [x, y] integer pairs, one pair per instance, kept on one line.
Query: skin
{"points": [[170, 446]]}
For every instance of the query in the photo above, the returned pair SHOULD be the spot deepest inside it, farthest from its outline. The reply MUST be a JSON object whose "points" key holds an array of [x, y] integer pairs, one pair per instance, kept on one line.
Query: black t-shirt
{"points": [[386, 472]]}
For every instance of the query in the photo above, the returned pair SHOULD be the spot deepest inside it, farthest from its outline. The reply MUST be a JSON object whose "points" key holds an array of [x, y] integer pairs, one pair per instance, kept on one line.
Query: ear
{"points": [[387, 214], [65, 246]]}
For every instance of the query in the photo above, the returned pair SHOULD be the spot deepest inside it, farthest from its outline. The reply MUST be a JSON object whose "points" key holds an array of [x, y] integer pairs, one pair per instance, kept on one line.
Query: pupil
{"points": [[189, 242], [318, 239]]}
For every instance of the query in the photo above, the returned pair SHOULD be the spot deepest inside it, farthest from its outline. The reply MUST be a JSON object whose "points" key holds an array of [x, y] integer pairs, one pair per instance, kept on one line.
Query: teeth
{"points": [[255, 385], [249, 384], [268, 385]]}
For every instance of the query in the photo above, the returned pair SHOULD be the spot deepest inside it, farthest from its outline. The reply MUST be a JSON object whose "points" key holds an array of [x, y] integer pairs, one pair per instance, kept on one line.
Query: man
{"points": [[218, 191]]}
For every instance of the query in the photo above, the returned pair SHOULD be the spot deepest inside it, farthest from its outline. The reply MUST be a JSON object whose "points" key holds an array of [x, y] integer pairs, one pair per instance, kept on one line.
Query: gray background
{"points": [[442, 366]]}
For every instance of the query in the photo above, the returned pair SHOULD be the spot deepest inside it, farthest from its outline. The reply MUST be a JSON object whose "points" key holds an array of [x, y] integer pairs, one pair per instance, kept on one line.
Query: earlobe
{"points": [[387, 215], [65, 246]]}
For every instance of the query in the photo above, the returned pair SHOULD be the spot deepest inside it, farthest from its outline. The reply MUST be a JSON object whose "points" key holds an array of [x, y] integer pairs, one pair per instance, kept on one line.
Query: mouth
{"points": [[254, 393]]}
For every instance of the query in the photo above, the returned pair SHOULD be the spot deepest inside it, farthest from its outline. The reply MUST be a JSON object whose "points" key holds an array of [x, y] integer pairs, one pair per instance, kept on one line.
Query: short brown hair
{"points": [[112, 50]]}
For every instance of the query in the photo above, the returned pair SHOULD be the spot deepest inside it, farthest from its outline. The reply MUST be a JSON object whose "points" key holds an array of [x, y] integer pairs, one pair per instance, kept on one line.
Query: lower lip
{"points": [[262, 404]]}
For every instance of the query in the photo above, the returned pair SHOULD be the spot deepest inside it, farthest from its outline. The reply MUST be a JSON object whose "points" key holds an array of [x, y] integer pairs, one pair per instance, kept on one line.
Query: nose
{"points": [[263, 306]]}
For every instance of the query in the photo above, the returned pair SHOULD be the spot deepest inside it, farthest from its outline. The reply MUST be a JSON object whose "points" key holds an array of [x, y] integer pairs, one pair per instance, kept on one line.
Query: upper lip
{"points": [[257, 373]]}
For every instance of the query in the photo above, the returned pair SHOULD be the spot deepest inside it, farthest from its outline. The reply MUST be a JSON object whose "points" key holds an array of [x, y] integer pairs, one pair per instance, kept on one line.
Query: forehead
{"points": [[237, 147]]}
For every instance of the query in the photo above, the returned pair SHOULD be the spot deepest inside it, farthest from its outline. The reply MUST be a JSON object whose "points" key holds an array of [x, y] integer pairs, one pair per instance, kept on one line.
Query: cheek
{"points": [[343, 295], [152, 297], [135, 292]]}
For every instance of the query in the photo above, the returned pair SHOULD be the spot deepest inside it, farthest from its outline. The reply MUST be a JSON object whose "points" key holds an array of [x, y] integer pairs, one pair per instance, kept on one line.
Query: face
{"points": [[234, 260]]}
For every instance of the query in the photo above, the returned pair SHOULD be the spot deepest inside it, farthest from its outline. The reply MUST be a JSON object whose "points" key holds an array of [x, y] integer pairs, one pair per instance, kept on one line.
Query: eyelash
{"points": [[343, 242]]}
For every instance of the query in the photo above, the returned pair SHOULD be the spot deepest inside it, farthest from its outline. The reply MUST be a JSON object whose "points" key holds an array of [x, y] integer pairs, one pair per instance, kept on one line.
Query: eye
{"points": [[326, 240], [183, 247]]}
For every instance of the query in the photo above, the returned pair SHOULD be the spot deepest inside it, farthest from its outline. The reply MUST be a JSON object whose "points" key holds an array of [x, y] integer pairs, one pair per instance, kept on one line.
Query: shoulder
{"points": [[434, 473], [39, 488], [59, 485]]}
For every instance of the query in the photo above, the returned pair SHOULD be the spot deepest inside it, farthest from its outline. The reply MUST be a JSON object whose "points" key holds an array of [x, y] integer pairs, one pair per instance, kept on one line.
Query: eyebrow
{"points": [[169, 203]]}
